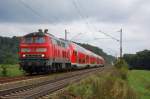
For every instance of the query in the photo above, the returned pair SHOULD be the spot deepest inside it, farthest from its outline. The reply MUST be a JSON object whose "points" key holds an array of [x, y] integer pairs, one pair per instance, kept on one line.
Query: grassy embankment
{"points": [[106, 85], [109, 84], [115, 83], [10, 71]]}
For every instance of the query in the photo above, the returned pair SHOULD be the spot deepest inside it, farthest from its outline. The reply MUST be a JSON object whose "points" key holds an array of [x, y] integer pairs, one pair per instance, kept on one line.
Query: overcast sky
{"points": [[83, 19]]}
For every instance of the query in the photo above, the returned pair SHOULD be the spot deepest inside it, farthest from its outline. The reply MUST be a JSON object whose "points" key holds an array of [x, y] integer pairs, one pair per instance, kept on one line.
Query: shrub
{"points": [[122, 69], [121, 63], [4, 70], [10, 70], [119, 73]]}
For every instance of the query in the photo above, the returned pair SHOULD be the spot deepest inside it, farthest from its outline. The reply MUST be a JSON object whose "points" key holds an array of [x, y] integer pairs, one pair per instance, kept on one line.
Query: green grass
{"points": [[140, 82], [12, 71]]}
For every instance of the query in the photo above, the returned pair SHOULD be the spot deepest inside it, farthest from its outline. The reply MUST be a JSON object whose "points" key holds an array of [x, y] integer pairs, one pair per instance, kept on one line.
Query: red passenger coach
{"points": [[43, 52], [82, 58]]}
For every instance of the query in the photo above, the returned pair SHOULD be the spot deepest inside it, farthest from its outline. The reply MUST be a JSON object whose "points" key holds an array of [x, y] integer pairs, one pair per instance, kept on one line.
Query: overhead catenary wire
{"points": [[75, 36], [90, 23], [108, 48], [76, 6], [95, 28], [34, 11], [80, 14], [27, 6], [83, 16], [104, 47], [43, 17], [106, 34]]}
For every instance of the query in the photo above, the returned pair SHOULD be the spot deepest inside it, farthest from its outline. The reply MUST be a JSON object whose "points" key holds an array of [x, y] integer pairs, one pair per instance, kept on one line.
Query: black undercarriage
{"points": [[43, 66]]}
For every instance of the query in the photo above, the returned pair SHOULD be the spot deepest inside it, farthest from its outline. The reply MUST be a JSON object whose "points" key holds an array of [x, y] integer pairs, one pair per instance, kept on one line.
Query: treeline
{"points": [[109, 58], [9, 50], [140, 60]]}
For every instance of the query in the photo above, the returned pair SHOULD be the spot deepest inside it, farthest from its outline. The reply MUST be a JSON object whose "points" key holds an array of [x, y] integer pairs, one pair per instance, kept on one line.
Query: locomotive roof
{"points": [[38, 34]]}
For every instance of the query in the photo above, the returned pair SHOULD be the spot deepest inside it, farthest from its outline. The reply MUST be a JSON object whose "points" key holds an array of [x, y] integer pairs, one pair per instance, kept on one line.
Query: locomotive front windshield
{"points": [[33, 40]]}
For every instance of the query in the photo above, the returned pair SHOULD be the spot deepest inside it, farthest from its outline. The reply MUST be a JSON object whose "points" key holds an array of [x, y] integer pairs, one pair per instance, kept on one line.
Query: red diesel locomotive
{"points": [[43, 52]]}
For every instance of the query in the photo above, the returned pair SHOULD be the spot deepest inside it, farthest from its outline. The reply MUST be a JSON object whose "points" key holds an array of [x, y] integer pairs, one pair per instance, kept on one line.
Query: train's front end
{"points": [[35, 52]]}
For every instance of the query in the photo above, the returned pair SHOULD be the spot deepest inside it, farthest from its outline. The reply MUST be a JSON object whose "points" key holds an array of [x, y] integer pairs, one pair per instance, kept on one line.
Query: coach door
{"points": [[87, 59], [74, 57]]}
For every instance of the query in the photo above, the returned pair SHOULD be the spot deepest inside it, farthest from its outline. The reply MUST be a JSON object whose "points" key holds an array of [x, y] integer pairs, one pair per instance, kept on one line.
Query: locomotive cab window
{"points": [[63, 44], [27, 40], [39, 40], [58, 43], [33, 40]]}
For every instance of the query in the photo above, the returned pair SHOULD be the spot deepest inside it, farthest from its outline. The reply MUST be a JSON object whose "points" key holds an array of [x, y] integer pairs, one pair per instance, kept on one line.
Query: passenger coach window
{"points": [[74, 53], [54, 41], [58, 43]]}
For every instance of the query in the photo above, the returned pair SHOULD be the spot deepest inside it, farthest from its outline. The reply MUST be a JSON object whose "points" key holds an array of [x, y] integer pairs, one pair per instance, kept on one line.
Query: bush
{"points": [[122, 69], [121, 63], [10, 70], [119, 73], [4, 70]]}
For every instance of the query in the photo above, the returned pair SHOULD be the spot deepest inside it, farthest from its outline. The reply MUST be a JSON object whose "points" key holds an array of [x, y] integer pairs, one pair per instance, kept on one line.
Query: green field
{"points": [[11, 71], [140, 82]]}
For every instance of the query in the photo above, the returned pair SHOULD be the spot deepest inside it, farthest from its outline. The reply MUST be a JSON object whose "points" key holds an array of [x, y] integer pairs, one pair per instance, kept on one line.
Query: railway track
{"points": [[19, 78], [44, 88]]}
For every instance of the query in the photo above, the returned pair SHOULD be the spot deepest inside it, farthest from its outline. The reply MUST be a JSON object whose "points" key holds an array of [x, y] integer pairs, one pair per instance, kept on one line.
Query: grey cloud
{"points": [[44, 11], [54, 11]]}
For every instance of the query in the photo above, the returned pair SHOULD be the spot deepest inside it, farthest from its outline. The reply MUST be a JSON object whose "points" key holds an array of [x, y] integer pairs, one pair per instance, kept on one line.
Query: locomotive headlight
{"points": [[23, 55], [41, 49], [25, 50], [42, 55]]}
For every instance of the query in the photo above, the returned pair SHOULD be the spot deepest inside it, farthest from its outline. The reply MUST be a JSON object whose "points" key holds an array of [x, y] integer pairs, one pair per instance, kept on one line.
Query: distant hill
{"points": [[9, 50]]}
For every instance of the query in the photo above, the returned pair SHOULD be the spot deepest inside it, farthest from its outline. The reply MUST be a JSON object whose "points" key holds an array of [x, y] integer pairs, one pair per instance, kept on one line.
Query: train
{"points": [[42, 52]]}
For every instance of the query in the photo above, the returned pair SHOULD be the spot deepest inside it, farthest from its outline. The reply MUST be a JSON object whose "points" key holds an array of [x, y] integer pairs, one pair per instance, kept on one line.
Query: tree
{"points": [[140, 60], [9, 50]]}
